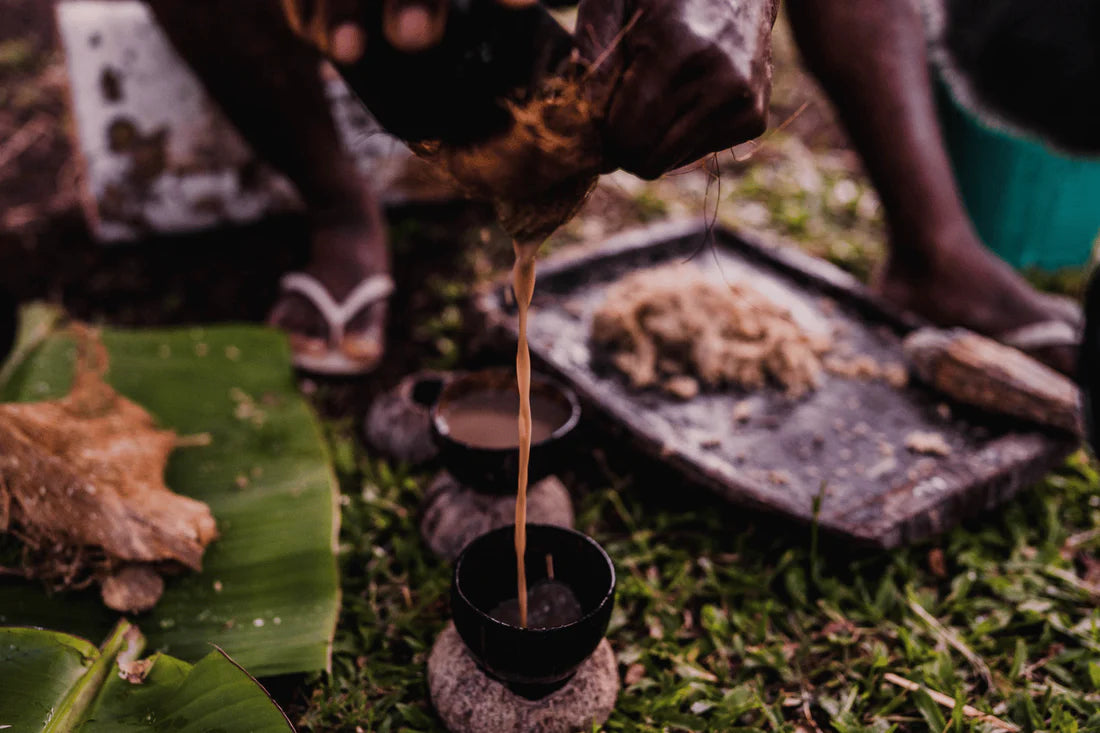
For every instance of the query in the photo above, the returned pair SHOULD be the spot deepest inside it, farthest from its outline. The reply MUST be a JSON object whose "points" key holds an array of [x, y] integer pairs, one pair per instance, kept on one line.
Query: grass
{"points": [[732, 622], [727, 620]]}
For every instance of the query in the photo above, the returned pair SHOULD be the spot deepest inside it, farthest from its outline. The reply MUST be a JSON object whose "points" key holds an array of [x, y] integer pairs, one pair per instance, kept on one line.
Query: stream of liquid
{"points": [[523, 283]]}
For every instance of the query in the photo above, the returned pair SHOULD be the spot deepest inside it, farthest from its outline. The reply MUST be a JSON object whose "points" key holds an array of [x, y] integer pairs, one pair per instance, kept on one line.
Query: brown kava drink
{"points": [[487, 419], [523, 283]]}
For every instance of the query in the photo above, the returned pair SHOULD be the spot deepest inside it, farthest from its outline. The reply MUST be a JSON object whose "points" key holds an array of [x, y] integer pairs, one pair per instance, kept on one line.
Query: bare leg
{"points": [[870, 56], [267, 82]]}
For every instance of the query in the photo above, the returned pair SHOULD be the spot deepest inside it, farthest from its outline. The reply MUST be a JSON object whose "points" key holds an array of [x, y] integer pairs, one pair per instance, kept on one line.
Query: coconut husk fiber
{"points": [[670, 326], [82, 488], [540, 171]]}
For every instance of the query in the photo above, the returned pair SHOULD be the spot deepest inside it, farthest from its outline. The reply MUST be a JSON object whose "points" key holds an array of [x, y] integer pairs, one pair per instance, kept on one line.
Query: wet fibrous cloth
{"points": [[662, 325], [540, 171], [82, 489]]}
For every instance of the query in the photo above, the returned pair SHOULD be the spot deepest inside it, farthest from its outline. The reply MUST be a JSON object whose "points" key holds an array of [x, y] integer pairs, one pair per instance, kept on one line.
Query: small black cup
{"points": [[495, 470], [532, 662]]}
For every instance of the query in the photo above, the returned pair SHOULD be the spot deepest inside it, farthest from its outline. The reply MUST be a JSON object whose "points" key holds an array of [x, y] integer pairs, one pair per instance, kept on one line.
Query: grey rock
{"points": [[398, 422], [469, 701], [454, 515]]}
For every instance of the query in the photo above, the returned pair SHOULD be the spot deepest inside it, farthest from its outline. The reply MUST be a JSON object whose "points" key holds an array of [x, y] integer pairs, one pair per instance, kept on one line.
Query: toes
{"points": [[365, 338], [370, 323], [307, 345], [297, 315], [313, 340], [362, 348]]}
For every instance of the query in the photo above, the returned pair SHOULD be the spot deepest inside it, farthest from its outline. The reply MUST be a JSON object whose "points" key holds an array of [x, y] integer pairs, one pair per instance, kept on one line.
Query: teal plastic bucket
{"points": [[1033, 206]]}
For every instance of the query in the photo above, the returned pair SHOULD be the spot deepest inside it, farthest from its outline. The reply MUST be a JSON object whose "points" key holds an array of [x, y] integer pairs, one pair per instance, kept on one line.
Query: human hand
{"points": [[336, 27], [679, 78]]}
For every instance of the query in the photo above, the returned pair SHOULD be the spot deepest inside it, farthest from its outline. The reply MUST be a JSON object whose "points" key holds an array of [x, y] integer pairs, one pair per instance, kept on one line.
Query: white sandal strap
{"points": [[368, 292], [337, 315], [1040, 335]]}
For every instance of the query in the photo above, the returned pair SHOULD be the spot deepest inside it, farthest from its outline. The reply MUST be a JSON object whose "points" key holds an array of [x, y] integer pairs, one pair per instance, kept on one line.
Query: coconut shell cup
{"points": [[496, 470], [532, 661]]}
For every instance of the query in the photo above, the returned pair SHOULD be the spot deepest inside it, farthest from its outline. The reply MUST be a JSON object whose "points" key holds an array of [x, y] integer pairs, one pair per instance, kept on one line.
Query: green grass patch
{"points": [[732, 621]]}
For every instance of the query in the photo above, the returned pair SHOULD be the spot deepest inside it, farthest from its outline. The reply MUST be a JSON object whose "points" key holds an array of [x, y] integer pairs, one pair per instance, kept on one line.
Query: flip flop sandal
{"points": [[1063, 329], [1065, 309], [341, 354], [1042, 335]]}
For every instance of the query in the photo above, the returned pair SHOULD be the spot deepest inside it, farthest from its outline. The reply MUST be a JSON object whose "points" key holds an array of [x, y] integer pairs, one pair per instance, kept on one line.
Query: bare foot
{"points": [[966, 285], [343, 256]]}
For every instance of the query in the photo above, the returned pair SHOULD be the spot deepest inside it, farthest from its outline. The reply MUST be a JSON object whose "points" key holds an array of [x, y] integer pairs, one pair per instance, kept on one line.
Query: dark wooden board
{"points": [[833, 438]]}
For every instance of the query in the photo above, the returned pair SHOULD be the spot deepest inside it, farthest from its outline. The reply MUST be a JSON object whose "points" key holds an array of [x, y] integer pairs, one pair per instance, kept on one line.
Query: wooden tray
{"points": [[830, 444]]}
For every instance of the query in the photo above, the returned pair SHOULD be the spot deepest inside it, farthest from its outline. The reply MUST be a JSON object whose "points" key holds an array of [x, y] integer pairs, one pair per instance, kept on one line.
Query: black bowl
{"points": [[533, 662], [495, 470], [424, 389]]}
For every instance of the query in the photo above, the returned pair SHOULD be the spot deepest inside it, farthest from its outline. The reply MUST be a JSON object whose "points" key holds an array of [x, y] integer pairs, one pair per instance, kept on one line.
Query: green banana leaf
{"points": [[54, 682], [268, 593]]}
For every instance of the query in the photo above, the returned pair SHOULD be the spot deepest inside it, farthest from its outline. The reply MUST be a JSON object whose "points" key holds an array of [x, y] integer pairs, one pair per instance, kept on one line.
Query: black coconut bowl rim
{"points": [[497, 379], [608, 597]]}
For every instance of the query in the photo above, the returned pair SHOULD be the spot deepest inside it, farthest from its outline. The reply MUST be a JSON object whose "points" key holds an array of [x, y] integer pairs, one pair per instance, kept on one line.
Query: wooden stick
{"points": [[549, 566], [949, 703]]}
